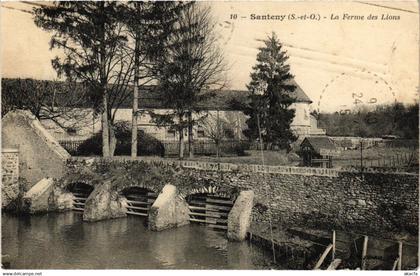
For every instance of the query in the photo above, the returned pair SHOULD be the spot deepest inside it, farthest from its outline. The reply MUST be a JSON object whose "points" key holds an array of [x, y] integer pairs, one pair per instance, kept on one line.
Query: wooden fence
{"points": [[396, 162]]}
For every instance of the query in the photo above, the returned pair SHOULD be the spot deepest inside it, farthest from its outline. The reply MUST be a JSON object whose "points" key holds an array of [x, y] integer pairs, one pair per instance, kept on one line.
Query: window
{"points": [[200, 132], [170, 134], [71, 131]]}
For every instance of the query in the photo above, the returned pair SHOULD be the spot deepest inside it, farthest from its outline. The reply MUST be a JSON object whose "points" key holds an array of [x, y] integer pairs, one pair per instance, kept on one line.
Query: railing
{"points": [[71, 145], [207, 147]]}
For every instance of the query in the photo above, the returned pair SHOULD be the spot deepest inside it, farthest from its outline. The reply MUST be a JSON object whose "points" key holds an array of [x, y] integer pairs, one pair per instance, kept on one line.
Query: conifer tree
{"points": [[270, 98]]}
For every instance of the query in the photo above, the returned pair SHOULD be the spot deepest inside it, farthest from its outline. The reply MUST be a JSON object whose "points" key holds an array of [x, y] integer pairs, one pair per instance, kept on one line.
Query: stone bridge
{"points": [[112, 189]]}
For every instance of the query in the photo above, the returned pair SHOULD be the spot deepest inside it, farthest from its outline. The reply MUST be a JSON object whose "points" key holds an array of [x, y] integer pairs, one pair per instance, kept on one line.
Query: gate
{"points": [[81, 192], [139, 200], [210, 209]]}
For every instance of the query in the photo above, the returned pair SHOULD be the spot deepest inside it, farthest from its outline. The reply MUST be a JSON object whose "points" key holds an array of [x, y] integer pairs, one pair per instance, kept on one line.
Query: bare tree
{"points": [[217, 129], [47, 100]]}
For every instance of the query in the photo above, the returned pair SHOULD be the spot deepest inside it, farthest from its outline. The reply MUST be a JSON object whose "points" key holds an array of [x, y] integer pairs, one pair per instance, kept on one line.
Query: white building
{"points": [[220, 106]]}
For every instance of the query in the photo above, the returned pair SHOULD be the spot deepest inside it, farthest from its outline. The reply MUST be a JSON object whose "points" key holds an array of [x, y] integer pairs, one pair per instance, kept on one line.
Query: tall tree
{"points": [[149, 25], [191, 63], [270, 98], [91, 37]]}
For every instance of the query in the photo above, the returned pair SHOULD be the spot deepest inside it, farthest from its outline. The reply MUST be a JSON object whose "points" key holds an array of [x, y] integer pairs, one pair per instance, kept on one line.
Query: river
{"points": [[64, 241]]}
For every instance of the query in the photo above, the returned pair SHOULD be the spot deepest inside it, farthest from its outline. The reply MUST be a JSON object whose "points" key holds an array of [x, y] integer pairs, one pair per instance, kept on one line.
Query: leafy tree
{"points": [[191, 63], [91, 36], [270, 98]]}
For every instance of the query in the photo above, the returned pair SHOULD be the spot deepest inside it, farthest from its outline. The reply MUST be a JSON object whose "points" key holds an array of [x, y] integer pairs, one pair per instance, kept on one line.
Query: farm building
{"points": [[221, 106]]}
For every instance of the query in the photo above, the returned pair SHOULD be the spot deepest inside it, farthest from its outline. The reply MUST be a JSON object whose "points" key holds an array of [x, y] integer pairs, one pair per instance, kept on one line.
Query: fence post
{"points": [[333, 244], [364, 252], [399, 255]]}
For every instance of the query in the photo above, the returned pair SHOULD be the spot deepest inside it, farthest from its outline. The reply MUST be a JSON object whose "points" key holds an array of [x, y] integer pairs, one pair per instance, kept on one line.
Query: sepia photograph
{"points": [[209, 135]]}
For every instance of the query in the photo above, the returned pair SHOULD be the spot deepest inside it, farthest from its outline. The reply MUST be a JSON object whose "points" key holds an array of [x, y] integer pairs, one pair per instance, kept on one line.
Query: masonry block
{"points": [[239, 218], [36, 200], [168, 210], [104, 203], [61, 200]]}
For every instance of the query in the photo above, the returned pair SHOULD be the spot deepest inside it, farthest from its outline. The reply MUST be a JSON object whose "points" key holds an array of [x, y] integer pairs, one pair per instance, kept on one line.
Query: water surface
{"points": [[64, 241]]}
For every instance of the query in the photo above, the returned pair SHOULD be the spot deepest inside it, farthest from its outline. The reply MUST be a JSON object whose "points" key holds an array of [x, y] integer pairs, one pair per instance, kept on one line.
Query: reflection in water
{"points": [[64, 241]]}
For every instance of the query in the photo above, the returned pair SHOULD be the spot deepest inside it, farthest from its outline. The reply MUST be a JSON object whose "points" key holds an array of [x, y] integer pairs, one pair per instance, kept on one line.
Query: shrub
{"points": [[235, 147], [147, 144]]}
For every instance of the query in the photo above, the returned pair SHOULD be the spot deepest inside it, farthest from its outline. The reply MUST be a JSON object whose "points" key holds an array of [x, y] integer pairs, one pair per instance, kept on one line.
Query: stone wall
{"points": [[372, 202], [368, 202], [10, 175]]}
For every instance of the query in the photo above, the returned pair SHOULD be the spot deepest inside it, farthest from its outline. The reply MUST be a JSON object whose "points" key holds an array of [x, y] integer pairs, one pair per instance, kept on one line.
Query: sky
{"points": [[338, 63]]}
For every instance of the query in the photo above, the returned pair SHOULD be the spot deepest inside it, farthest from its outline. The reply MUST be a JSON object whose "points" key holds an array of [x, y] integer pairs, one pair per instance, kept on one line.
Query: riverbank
{"points": [[300, 248], [293, 251]]}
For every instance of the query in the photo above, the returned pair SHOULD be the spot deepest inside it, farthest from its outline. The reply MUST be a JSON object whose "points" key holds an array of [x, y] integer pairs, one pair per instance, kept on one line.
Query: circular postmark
{"points": [[358, 92]]}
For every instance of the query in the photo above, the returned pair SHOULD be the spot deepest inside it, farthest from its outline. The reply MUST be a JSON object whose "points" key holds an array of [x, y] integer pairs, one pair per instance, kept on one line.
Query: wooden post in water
{"points": [[399, 255], [333, 245], [364, 252]]}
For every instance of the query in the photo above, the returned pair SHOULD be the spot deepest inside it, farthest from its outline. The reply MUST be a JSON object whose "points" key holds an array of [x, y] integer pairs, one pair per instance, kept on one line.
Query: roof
{"points": [[322, 145], [299, 94], [149, 98], [220, 101]]}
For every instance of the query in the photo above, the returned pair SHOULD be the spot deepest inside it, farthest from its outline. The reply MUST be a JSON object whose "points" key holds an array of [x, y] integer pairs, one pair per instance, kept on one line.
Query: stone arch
{"points": [[70, 187], [121, 188], [206, 190]]}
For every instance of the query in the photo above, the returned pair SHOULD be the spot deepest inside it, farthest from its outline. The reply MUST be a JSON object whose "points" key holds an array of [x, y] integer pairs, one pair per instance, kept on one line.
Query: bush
{"points": [[229, 147], [147, 144]]}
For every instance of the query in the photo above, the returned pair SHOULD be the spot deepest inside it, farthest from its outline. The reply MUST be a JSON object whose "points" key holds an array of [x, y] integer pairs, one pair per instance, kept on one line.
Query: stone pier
{"points": [[168, 210], [104, 203], [36, 199], [239, 218]]}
